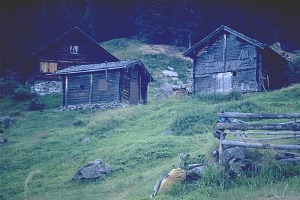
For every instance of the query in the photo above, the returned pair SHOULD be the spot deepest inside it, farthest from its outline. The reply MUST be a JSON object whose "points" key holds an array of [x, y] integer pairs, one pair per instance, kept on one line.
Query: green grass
{"points": [[130, 141], [44, 148], [156, 58]]}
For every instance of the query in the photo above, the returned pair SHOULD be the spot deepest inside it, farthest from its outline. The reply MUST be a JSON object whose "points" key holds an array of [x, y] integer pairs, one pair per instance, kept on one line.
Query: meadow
{"points": [[45, 148]]}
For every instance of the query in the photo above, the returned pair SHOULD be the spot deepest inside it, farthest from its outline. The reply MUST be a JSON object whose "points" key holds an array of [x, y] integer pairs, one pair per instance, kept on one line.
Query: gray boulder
{"points": [[7, 121], [291, 161], [168, 73], [92, 171], [234, 153], [194, 173], [166, 86], [237, 160]]}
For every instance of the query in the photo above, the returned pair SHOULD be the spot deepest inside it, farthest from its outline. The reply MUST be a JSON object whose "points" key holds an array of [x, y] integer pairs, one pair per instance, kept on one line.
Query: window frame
{"points": [[74, 49]]}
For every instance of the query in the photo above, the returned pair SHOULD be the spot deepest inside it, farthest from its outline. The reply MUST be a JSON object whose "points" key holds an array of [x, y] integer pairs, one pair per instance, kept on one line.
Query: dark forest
{"points": [[26, 25]]}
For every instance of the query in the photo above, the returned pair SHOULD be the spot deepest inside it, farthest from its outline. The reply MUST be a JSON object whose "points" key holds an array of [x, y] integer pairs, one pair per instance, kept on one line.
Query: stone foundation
{"points": [[102, 106], [47, 87]]}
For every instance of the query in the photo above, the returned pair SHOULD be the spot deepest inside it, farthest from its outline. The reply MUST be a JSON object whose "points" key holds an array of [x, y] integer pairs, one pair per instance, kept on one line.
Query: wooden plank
{"points": [[274, 138], [268, 133], [259, 115], [244, 127], [221, 147], [260, 145]]}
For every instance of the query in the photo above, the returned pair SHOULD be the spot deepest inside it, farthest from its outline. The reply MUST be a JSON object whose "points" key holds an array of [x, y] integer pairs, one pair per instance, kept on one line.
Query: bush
{"points": [[293, 72], [36, 105], [7, 88], [245, 106], [194, 123], [215, 98], [79, 123], [22, 93]]}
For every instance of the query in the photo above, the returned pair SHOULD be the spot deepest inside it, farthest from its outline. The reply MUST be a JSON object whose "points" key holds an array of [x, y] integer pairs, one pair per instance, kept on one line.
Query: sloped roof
{"points": [[285, 54], [228, 30], [103, 66], [64, 35]]}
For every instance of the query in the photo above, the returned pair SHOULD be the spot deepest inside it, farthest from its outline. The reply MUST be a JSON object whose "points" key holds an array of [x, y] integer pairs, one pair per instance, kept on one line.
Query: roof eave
{"points": [[222, 28]]}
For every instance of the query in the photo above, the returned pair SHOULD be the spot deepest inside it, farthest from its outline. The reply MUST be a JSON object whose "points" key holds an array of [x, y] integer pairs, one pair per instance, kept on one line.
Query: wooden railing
{"points": [[244, 130]]}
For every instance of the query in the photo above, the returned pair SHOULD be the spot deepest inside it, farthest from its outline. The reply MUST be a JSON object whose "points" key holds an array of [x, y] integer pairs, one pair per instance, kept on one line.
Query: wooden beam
{"points": [[260, 145], [274, 138], [259, 115], [66, 92], [91, 88], [224, 50], [221, 147], [267, 133], [244, 127]]}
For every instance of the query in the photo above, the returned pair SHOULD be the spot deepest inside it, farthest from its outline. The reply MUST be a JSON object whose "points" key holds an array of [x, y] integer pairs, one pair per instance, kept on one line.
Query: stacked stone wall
{"points": [[47, 87]]}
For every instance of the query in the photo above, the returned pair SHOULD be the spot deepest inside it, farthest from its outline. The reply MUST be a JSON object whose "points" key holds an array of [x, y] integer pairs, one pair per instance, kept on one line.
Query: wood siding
{"points": [[84, 88], [122, 87], [113, 92], [59, 52], [226, 53], [75, 93]]}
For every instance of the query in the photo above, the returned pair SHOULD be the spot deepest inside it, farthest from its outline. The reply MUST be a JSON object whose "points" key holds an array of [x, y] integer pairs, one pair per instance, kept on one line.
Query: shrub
{"points": [[245, 106], [293, 72], [232, 96], [7, 88], [36, 105], [78, 123], [22, 93], [194, 123]]}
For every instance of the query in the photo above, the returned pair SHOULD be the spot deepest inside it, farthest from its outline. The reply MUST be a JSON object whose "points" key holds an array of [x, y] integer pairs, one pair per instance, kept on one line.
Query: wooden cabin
{"points": [[73, 47], [227, 60], [107, 82]]}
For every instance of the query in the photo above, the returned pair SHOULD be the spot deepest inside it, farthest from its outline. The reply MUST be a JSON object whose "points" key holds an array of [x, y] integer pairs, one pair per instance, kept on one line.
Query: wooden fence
{"points": [[244, 130]]}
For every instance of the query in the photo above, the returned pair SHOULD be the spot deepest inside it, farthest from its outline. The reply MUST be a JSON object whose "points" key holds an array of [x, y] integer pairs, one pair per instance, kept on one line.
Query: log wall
{"points": [[59, 52], [227, 53]]}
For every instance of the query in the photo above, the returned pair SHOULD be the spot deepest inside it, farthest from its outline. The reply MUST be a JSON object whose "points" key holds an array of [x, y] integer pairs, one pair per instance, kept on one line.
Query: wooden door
{"points": [[134, 93], [224, 82]]}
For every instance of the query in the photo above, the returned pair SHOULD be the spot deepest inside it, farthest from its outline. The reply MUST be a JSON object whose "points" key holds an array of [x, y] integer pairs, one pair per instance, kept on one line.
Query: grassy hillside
{"points": [[155, 57], [44, 149]]}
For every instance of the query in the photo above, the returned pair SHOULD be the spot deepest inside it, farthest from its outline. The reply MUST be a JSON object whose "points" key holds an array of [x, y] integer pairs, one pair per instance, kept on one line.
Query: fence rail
{"points": [[289, 130]]}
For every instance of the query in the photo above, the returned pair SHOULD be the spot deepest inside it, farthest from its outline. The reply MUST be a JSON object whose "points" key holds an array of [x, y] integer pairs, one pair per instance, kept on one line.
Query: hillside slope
{"points": [[45, 149]]}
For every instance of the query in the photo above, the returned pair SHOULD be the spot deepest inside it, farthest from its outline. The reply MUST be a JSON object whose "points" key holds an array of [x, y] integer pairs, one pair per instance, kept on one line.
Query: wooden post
{"points": [[224, 51], [91, 89], [66, 92], [221, 147]]}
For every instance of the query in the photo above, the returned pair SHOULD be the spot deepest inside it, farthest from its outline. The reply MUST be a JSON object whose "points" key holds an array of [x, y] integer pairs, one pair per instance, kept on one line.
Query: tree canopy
{"points": [[26, 25]]}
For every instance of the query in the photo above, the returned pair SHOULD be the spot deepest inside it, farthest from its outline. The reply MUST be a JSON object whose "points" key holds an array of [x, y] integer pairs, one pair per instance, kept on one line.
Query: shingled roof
{"points": [[124, 64], [77, 30], [218, 31]]}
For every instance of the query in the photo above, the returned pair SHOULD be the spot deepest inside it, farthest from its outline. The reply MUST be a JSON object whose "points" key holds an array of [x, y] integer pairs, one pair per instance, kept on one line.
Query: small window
{"points": [[81, 87], [233, 73], [48, 67], [134, 74], [102, 85], [74, 49]]}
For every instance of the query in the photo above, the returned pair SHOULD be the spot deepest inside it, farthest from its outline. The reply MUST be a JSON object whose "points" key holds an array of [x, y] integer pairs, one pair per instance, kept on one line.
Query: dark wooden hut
{"points": [[108, 82], [73, 47], [227, 60]]}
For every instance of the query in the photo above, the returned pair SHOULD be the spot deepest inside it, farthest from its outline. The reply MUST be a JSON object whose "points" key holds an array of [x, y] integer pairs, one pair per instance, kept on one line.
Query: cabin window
{"points": [[134, 74], [48, 67], [74, 49], [102, 85], [81, 87]]}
